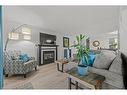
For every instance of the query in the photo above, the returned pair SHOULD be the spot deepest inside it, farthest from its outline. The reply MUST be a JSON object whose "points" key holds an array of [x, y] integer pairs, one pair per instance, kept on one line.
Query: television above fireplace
{"points": [[47, 39]]}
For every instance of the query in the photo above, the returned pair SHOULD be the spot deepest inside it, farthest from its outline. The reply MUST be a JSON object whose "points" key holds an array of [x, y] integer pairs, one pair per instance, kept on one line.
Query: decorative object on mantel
{"points": [[22, 30], [66, 42], [82, 54]]}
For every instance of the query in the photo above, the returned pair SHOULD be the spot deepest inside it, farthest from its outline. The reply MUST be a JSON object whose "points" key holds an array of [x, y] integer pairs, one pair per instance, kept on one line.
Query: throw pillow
{"points": [[91, 59], [116, 65], [104, 60], [24, 57]]}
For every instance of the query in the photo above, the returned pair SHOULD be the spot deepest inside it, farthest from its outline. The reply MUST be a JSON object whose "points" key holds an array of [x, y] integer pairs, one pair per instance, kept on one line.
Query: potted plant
{"points": [[82, 54]]}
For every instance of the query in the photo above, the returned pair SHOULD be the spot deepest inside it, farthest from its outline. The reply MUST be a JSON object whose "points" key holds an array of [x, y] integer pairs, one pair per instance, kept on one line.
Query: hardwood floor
{"points": [[47, 77]]}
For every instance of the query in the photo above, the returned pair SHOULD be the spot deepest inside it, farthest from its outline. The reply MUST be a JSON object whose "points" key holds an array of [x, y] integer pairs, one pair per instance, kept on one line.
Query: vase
{"points": [[82, 70]]}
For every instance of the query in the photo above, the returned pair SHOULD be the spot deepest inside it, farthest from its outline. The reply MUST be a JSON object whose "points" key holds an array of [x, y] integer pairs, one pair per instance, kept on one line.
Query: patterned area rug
{"points": [[25, 86]]}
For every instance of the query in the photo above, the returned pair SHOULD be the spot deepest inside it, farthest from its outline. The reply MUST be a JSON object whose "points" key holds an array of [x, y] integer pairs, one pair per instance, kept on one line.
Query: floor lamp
{"points": [[14, 34]]}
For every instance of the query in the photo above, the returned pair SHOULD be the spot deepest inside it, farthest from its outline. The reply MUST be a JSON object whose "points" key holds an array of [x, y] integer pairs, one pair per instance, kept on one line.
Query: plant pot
{"points": [[82, 70]]}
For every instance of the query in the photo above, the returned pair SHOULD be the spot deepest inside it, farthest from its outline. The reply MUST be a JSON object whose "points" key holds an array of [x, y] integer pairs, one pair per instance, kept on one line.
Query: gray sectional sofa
{"points": [[108, 64], [112, 70]]}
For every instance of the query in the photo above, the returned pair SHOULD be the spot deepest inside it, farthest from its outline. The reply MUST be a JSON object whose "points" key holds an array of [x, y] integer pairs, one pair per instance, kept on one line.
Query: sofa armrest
{"points": [[28, 66], [112, 78], [29, 62], [32, 58]]}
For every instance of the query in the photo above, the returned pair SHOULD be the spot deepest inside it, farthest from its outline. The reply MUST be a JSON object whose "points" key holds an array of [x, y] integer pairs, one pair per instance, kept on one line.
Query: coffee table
{"points": [[61, 62], [91, 80]]}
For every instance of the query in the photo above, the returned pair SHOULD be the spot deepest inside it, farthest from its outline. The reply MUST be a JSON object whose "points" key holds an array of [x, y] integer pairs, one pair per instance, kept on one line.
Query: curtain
{"points": [[1, 51]]}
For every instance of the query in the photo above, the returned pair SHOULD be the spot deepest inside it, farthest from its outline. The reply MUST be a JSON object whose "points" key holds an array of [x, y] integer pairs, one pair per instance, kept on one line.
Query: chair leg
{"points": [[6, 75], [24, 75], [35, 68]]}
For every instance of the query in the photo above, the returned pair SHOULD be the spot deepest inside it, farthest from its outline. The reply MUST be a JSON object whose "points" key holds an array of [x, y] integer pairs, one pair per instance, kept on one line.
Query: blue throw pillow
{"points": [[91, 59], [24, 57]]}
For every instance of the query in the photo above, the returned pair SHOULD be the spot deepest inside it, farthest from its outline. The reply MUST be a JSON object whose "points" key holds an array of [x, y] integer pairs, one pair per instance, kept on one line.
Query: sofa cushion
{"points": [[116, 65], [104, 59]]}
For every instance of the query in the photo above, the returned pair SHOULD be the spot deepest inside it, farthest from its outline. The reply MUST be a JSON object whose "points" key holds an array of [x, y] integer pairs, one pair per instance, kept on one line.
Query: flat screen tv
{"points": [[47, 39]]}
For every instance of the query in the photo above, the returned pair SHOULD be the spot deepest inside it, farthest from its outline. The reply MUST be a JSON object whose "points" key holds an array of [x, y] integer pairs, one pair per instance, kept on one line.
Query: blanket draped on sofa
{"points": [[124, 71]]}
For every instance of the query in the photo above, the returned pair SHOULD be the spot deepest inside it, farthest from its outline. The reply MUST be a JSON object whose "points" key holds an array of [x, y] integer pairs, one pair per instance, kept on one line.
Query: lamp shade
{"points": [[13, 36], [26, 30]]}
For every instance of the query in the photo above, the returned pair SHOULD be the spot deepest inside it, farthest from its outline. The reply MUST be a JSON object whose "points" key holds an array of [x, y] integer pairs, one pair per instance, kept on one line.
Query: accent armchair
{"points": [[18, 66]]}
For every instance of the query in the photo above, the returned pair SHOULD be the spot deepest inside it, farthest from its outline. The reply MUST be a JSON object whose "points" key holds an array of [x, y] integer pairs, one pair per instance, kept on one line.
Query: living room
{"points": [[102, 25]]}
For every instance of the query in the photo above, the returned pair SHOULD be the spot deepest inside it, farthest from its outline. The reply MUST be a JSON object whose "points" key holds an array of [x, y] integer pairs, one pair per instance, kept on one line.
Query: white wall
{"points": [[104, 42], [14, 17], [103, 39], [123, 29]]}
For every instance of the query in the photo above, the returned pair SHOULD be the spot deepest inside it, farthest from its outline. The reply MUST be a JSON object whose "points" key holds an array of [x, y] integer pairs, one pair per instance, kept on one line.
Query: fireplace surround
{"points": [[47, 50], [47, 54]]}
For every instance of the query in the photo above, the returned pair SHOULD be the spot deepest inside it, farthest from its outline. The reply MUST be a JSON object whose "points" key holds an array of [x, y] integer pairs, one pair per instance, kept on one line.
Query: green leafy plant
{"points": [[82, 50]]}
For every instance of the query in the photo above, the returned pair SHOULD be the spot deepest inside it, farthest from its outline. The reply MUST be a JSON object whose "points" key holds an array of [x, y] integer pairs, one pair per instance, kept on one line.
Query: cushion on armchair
{"points": [[24, 57]]}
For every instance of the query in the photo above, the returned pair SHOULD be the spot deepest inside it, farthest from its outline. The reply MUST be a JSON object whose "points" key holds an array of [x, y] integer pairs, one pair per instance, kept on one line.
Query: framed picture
{"points": [[65, 42]]}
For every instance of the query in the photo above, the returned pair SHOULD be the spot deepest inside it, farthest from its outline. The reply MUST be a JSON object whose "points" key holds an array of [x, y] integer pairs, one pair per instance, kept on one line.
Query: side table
{"points": [[91, 80], [61, 62]]}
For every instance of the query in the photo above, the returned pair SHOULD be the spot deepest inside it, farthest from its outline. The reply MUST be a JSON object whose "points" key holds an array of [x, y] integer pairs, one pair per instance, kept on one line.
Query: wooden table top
{"points": [[62, 61], [90, 77]]}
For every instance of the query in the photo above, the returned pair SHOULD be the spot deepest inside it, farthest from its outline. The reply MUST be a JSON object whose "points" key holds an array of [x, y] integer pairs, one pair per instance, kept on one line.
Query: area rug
{"points": [[26, 86]]}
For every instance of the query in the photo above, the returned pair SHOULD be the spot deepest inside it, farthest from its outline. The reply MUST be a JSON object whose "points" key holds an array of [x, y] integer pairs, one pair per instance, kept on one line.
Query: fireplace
{"points": [[48, 57], [47, 50]]}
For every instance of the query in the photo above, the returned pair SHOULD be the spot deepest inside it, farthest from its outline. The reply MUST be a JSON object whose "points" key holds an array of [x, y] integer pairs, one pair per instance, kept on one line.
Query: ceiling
{"points": [[75, 19]]}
